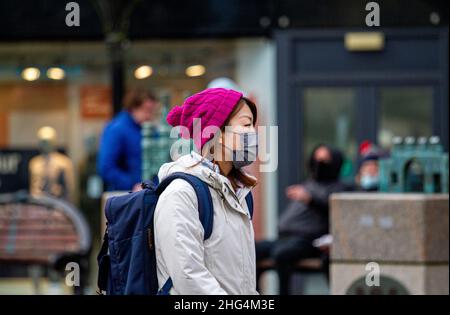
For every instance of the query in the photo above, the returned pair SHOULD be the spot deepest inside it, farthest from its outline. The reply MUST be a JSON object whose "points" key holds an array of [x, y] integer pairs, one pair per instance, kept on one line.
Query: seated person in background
{"points": [[306, 216], [367, 178]]}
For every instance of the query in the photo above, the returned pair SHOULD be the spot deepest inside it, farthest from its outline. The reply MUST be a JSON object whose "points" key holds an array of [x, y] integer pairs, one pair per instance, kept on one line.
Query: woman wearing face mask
{"points": [[225, 262]]}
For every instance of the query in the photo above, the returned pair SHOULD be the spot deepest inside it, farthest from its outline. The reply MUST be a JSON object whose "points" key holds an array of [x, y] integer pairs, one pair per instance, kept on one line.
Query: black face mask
{"points": [[323, 171]]}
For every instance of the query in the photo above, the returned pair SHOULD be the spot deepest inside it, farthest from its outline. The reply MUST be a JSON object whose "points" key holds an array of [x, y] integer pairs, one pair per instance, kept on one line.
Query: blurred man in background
{"points": [[120, 159], [306, 217]]}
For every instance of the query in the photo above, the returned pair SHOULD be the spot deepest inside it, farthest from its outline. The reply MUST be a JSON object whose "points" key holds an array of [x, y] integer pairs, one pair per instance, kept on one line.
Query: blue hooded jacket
{"points": [[119, 160]]}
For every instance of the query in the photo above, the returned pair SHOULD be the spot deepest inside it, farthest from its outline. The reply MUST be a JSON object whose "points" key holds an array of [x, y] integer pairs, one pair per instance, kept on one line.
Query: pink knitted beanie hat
{"points": [[211, 107]]}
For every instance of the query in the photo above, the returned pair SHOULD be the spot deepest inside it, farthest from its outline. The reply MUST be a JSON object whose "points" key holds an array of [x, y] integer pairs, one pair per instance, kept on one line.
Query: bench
{"points": [[304, 266], [307, 264], [45, 232]]}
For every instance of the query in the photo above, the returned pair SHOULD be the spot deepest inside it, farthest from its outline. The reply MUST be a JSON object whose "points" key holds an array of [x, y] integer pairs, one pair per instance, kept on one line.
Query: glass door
{"points": [[342, 116], [329, 118], [404, 111]]}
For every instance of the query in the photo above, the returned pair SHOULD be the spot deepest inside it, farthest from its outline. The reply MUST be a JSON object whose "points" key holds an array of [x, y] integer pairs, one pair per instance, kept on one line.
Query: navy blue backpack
{"points": [[127, 260]]}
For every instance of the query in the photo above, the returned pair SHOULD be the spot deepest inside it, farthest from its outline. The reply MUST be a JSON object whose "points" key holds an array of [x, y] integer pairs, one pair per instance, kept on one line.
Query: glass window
{"points": [[329, 118], [405, 111]]}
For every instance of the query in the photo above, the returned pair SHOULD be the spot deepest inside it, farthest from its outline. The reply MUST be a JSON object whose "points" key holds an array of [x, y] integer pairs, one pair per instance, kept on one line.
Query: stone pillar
{"points": [[406, 236]]}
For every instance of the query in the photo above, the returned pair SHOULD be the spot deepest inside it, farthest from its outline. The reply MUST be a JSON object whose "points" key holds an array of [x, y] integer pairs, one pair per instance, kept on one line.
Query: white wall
{"points": [[256, 75]]}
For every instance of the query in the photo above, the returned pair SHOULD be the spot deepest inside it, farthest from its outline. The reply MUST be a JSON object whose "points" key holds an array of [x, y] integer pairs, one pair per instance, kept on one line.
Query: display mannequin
{"points": [[51, 172]]}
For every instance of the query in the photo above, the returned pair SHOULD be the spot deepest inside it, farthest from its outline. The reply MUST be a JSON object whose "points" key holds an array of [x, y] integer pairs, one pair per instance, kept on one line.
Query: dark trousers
{"points": [[285, 253]]}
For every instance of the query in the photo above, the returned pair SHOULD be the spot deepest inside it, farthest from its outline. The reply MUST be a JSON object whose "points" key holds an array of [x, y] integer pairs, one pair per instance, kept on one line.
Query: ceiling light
{"points": [[143, 72], [56, 73], [195, 71], [31, 74]]}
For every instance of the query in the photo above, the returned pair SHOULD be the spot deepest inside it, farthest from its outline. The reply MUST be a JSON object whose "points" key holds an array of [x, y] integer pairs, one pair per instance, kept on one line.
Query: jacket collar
{"points": [[207, 171], [127, 116]]}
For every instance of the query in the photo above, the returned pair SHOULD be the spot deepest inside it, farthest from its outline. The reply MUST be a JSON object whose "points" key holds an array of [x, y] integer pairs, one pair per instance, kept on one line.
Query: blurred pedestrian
{"points": [[368, 178], [306, 216], [120, 159]]}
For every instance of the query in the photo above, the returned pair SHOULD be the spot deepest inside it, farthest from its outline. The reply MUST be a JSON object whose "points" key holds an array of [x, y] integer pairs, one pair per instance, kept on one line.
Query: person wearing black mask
{"points": [[306, 216]]}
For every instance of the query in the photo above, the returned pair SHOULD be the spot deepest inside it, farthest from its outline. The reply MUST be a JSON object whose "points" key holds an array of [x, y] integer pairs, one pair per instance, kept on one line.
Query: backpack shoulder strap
{"points": [[249, 200], [205, 204]]}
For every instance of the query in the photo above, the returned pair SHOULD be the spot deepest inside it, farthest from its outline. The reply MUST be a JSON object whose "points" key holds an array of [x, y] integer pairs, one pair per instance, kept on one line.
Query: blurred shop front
{"points": [[62, 77], [78, 104]]}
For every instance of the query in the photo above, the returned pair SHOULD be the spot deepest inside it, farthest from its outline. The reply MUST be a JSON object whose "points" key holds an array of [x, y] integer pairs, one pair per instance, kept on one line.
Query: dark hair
{"points": [[135, 97]]}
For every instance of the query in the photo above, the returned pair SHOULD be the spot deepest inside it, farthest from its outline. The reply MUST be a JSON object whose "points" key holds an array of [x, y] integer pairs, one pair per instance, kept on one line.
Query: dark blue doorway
{"points": [[328, 93]]}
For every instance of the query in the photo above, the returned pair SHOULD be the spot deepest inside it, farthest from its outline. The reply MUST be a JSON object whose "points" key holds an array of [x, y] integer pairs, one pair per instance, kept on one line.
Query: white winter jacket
{"points": [[224, 263]]}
